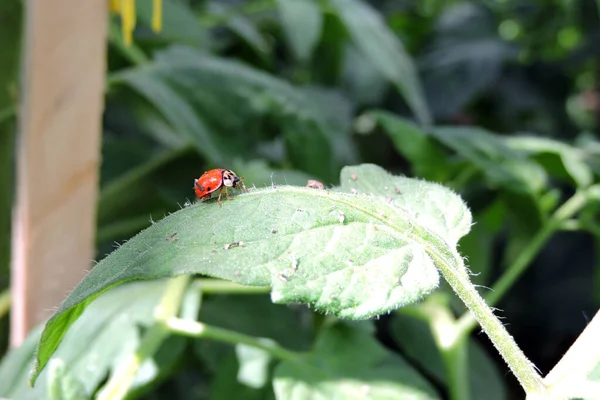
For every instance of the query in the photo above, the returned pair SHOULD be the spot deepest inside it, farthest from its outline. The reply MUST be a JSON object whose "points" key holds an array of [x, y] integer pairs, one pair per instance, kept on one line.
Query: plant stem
{"points": [[200, 330], [521, 367], [121, 379], [453, 348], [467, 322], [456, 367], [219, 286]]}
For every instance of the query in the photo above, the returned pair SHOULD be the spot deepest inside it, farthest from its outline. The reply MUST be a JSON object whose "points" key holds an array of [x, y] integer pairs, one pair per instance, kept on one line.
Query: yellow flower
{"points": [[126, 8]]}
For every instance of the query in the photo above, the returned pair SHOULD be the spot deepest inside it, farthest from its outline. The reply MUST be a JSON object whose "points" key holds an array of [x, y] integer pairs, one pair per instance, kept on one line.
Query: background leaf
{"points": [[89, 347], [502, 165], [558, 158], [465, 58], [417, 343], [347, 362], [62, 384], [302, 22], [366, 27]]}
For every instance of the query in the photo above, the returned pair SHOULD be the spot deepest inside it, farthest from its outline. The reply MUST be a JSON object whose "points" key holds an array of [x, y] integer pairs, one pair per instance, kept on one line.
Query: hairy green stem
{"points": [[521, 367], [121, 379], [468, 322], [200, 330]]}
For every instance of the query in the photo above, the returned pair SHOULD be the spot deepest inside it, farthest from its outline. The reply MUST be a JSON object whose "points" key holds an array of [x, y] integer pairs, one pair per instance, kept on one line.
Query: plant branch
{"points": [[200, 330], [121, 379]]}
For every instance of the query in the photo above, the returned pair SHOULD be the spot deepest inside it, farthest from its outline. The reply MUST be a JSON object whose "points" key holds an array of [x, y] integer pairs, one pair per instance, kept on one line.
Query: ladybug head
{"points": [[230, 178]]}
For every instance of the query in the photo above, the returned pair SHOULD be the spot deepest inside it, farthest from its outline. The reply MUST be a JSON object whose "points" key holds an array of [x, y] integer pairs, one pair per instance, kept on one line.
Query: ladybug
{"points": [[217, 179]]}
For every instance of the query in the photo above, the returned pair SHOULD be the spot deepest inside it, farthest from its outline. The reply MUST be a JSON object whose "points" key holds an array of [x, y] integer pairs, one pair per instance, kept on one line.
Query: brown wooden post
{"points": [[58, 155]]}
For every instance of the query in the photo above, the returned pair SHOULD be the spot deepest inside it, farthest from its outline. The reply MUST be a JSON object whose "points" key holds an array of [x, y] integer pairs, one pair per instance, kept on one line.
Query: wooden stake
{"points": [[58, 155]]}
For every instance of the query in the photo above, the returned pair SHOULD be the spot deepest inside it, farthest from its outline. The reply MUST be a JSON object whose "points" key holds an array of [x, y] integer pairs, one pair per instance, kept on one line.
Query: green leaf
{"points": [[464, 57], [556, 157], [246, 30], [254, 365], [15, 366], [255, 316], [431, 205], [179, 22], [347, 362], [89, 347], [354, 256], [302, 22], [417, 342], [502, 166], [63, 385], [226, 386], [177, 111], [190, 87], [362, 82], [244, 27], [427, 160], [379, 44]]}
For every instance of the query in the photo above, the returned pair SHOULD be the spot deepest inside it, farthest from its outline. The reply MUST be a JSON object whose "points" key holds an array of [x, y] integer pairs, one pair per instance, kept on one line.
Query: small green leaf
{"points": [[302, 22], [89, 347], [503, 166], [427, 159], [246, 30], [366, 27], [178, 22], [254, 365], [354, 256], [347, 362], [177, 110], [361, 80], [557, 157], [62, 385], [225, 385]]}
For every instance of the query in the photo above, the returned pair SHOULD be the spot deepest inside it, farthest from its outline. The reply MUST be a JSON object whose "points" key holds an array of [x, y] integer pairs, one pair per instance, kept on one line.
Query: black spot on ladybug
{"points": [[208, 188]]}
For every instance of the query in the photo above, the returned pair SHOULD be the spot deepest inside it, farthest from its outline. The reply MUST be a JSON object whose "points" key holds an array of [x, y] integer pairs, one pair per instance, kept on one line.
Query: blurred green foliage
{"points": [[498, 100]]}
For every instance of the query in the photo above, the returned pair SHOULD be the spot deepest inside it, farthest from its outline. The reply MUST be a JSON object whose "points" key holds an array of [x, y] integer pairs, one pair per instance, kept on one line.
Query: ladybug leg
{"points": [[219, 198], [227, 193]]}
